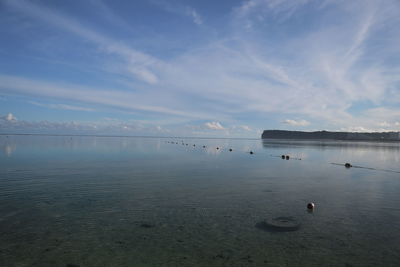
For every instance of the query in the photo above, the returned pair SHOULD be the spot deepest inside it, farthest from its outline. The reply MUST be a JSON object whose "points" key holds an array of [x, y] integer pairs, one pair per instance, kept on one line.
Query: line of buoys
{"points": [[285, 157], [217, 148], [347, 165], [362, 167]]}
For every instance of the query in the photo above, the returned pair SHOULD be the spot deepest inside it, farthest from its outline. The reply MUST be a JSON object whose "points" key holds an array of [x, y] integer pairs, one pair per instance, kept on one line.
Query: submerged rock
{"points": [[147, 225], [279, 224]]}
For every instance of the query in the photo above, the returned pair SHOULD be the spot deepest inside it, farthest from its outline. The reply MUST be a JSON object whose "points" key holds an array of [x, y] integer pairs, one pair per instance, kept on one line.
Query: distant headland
{"points": [[325, 135]]}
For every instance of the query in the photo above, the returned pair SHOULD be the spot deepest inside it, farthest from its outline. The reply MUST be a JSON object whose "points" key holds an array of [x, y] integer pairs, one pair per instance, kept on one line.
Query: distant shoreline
{"points": [[130, 136], [326, 135]]}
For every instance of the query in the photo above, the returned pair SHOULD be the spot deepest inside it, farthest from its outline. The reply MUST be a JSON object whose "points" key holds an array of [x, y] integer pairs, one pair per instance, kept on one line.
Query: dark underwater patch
{"points": [[279, 224]]}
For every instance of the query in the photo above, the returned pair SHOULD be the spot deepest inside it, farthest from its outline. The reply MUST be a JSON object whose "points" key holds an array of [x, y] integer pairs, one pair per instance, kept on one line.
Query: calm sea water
{"points": [[119, 201]]}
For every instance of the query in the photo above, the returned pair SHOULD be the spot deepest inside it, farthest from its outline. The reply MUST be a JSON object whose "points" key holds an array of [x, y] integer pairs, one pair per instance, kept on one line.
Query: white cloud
{"points": [[296, 122], [245, 127], [384, 124], [101, 127], [363, 129], [110, 126], [318, 72], [10, 117], [214, 125]]}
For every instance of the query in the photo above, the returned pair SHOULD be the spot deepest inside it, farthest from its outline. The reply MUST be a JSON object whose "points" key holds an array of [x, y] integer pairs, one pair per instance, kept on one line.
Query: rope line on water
{"points": [[367, 168], [294, 158]]}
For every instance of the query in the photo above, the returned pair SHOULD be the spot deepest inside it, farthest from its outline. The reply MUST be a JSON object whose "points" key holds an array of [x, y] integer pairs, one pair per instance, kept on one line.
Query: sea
{"points": [[138, 201]]}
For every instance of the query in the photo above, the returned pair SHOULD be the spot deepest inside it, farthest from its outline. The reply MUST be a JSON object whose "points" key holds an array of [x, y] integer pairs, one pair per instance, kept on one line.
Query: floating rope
{"points": [[367, 168], [347, 165]]}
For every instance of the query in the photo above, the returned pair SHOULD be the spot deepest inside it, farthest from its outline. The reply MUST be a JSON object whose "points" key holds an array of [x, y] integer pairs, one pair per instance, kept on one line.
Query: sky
{"points": [[228, 68]]}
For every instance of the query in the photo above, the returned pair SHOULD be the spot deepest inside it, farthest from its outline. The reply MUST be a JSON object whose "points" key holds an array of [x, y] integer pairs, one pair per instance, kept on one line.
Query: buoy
{"points": [[230, 149], [283, 156], [287, 157], [251, 152], [348, 165], [310, 206], [217, 148]]}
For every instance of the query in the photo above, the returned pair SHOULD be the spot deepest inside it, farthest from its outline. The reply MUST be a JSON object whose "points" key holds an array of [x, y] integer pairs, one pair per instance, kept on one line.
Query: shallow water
{"points": [[120, 201]]}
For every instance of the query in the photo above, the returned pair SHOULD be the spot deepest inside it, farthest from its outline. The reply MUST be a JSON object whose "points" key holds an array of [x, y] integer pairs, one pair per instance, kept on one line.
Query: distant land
{"points": [[318, 135]]}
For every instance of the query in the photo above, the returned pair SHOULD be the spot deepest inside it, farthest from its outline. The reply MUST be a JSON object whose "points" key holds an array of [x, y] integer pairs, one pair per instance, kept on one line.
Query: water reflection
{"points": [[213, 150], [8, 145], [331, 144], [145, 202], [9, 149]]}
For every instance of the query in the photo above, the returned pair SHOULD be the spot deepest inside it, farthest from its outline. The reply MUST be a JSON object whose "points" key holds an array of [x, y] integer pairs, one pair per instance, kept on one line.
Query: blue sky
{"points": [[199, 68]]}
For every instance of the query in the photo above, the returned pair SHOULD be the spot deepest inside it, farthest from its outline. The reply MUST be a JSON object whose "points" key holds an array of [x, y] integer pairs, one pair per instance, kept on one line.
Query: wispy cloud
{"points": [[214, 125], [107, 126], [242, 127], [193, 13], [315, 60], [61, 106], [296, 122], [252, 12], [182, 10], [113, 98], [137, 63], [72, 127]]}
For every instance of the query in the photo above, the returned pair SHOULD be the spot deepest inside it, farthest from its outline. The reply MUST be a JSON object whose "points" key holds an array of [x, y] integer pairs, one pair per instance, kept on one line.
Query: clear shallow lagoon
{"points": [[120, 201]]}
